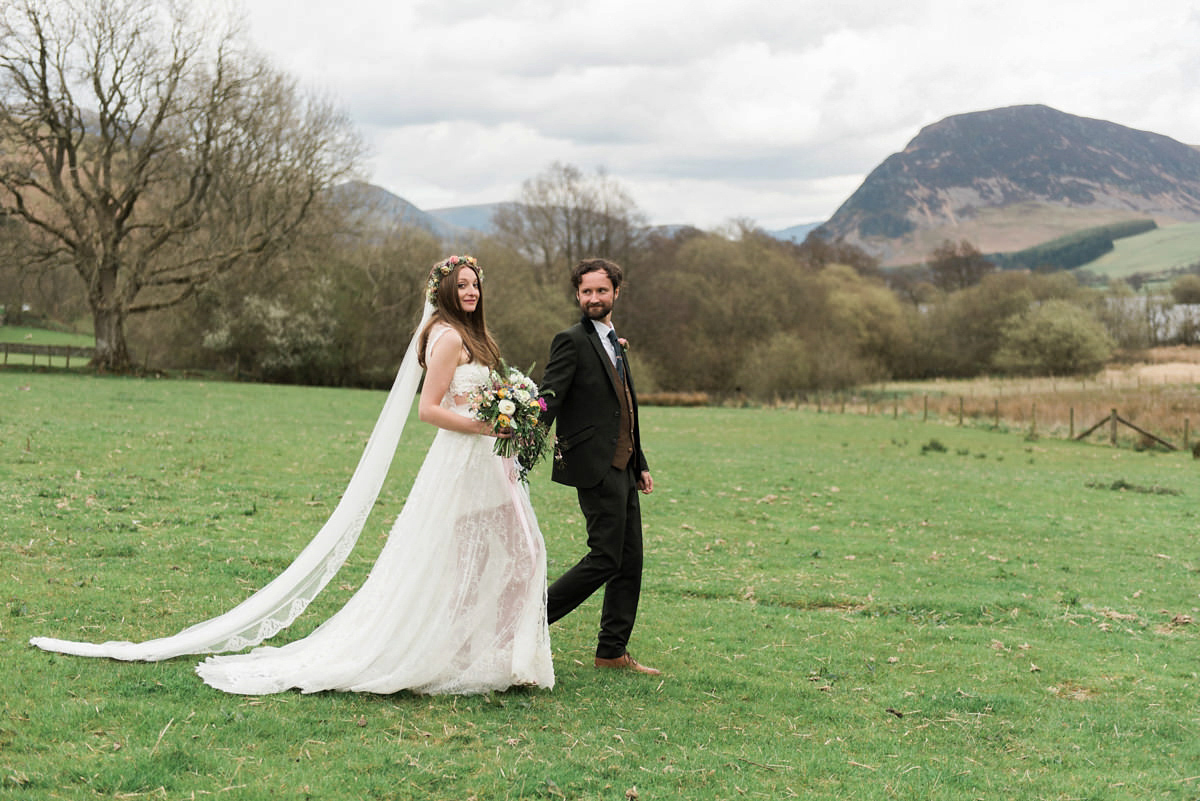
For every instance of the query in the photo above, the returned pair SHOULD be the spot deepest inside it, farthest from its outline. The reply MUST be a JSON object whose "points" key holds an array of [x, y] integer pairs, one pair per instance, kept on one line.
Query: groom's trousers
{"points": [[612, 511]]}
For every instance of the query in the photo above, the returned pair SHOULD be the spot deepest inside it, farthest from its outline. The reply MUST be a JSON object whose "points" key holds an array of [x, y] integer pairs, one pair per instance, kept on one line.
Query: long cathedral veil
{"points": [[275, 606]]}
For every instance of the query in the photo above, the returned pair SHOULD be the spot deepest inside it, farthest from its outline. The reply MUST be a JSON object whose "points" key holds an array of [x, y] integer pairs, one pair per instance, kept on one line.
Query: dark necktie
{"points": [[612, 337]]}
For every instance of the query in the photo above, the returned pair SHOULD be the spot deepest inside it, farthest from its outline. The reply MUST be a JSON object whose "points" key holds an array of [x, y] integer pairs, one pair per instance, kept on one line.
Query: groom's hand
{"points": [[645, 483]]}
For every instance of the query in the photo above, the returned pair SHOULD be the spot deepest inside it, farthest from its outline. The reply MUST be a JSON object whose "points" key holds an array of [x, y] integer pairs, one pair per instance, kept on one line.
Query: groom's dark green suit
{"points": [[585, 401]]}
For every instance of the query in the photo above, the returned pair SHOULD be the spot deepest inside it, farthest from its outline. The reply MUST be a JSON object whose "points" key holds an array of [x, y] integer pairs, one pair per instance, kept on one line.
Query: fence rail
{"points": [[1169, 416], [66, 352], [1113, 419]]}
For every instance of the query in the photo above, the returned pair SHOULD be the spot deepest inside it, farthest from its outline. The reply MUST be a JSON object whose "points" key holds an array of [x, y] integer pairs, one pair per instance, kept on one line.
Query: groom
{"points": [[598, 450]]}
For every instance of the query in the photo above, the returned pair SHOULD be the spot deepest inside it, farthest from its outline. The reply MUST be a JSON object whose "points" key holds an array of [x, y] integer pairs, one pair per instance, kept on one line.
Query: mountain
{"points": [[457, 223], [795, 233], [386, 210], [1010, 178], [474, 218]]}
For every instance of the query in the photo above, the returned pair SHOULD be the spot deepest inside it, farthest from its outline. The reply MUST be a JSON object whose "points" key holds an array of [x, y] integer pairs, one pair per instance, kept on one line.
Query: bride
{"points": [[455, 602]]}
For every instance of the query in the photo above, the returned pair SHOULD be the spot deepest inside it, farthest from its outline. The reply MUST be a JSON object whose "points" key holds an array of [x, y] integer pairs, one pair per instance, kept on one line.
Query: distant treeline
{"points": [[1073, 250]]}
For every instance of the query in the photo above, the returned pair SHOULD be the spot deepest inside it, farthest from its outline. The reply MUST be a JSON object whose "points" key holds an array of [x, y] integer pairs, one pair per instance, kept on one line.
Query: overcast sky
{"points": [[711, 110]]}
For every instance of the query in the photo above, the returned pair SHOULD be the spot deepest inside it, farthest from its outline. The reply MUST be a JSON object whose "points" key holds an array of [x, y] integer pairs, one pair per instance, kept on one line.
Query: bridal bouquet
{"points": [[510, 400]]}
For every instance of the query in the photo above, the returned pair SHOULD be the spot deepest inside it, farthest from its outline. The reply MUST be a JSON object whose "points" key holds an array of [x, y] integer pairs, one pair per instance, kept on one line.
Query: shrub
{"points": [[674, 399], [777, 367], [275, 343], [1186, 289], [1053, 338]]}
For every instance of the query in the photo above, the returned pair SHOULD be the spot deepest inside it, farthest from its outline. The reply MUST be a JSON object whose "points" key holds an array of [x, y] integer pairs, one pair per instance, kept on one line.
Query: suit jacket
{"points": [[580, 387]]}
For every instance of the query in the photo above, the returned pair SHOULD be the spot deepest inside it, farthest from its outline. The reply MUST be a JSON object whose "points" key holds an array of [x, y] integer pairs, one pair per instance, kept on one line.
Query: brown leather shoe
{"points": [[626, 662]]}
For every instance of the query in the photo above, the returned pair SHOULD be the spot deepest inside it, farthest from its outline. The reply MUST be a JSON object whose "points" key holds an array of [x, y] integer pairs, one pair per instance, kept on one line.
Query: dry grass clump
{"points": [[1173, 354], [673, 399], [1167, 412], [1157, 394]]}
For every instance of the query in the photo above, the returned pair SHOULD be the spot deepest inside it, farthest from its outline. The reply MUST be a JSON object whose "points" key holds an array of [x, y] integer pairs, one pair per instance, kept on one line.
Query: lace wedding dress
{"points": [[454, 604]]}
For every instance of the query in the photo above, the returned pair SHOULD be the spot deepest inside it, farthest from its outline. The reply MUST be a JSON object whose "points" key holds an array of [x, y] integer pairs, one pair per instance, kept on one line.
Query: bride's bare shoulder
{"points": [[444, 337]]}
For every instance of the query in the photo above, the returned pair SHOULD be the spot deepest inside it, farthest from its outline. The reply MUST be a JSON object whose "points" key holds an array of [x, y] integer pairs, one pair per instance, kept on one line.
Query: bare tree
{"points": [[563, 215], [958, 266], [150, 156]]}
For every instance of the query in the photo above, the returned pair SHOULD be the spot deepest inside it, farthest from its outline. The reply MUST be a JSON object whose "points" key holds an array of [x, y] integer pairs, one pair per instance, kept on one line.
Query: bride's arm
{"points": [[440, 363]]}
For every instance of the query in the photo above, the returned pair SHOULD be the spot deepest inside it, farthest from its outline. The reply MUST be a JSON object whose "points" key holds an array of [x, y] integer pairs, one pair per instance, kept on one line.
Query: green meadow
{"points": [[42, 336], [1163, 249], [843, 606]]}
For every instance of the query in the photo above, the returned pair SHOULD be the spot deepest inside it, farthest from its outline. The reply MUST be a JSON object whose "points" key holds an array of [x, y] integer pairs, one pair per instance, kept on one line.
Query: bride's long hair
{"points": [[469, 325]]}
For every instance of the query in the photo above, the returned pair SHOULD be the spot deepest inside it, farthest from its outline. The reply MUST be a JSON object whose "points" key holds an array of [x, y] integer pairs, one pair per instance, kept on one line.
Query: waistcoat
{"points": [[624, 451]]}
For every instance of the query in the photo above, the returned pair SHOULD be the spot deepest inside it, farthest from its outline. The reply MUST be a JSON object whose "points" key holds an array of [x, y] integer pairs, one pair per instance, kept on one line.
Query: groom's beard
{"points": [[596, 311]]}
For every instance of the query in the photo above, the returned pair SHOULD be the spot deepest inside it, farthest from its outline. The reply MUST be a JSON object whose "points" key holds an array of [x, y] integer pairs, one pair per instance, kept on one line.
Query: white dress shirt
{"points": [[603, 330]]}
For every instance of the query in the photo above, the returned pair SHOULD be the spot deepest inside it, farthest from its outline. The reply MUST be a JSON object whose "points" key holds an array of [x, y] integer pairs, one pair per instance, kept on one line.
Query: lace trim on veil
{"points": [[275, 606]]}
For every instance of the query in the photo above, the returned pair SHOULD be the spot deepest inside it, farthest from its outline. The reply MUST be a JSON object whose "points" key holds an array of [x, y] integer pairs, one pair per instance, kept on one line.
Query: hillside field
{"points": [[1163, 249], [844, 607]]}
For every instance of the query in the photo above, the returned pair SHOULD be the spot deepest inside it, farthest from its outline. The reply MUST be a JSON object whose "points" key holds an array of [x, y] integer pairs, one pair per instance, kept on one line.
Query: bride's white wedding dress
{"points": [[455, 602]]}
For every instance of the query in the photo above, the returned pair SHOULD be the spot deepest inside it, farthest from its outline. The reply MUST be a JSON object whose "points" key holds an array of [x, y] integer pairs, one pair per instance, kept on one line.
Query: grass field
{"points": [[43, 336], [1163, 249], [844, 607]]}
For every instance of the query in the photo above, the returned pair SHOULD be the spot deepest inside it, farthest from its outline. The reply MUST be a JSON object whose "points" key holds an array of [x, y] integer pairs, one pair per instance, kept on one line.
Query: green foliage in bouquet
{"points": [[511, 402]]}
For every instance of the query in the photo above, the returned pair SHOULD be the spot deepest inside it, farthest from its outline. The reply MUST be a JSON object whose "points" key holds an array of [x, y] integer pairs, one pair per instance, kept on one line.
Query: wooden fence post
{"points": [[1112, 434], [1186, 446], [1072, 422], [960, 410], [1033, 421], [996, 413], [925, 410]]}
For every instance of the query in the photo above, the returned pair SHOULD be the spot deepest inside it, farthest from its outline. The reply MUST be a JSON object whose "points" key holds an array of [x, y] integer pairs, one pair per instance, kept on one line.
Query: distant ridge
{"points": [[456, 223], [383, 209], [795, 233], [1009, 178], [474, 218]]}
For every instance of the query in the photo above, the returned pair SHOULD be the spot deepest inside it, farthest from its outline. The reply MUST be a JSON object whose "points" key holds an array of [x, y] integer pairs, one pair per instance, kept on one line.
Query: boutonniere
{"points": [[623, 342]]}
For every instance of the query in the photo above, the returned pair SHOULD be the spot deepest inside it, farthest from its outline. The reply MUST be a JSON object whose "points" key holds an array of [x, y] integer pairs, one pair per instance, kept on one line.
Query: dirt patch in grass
{"points": [[1073, 691]]}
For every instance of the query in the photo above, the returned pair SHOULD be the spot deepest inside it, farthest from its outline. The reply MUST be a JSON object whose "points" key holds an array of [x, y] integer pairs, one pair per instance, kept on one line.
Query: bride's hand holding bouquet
{"points": [[511, 404]]}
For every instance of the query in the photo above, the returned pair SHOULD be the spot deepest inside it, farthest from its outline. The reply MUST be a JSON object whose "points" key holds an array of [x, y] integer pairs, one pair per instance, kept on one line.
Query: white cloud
{"points": [[713, 109]]}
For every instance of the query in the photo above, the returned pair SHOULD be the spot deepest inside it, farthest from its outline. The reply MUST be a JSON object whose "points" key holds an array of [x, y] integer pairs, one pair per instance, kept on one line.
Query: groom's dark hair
{"points": [[611, 268]]}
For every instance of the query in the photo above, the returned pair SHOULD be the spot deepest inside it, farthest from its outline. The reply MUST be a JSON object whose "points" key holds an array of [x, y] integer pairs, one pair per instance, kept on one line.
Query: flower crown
{"points": [[444, 268]]}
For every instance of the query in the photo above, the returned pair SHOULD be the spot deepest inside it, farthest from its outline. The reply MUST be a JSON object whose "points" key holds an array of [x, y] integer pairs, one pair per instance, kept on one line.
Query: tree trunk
{"points": [[112, 354]]}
